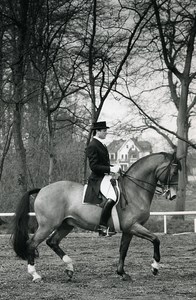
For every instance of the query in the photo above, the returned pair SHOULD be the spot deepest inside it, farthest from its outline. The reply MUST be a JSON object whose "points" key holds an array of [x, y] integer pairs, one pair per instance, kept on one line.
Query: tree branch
{"points": [[154, 122], [169, 64]]}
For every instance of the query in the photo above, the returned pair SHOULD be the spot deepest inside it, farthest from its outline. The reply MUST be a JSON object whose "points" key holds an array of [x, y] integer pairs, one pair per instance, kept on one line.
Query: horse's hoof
{"points": [[154, 267], [126, 277], [154, 271], [69, 274], [37, 280]]}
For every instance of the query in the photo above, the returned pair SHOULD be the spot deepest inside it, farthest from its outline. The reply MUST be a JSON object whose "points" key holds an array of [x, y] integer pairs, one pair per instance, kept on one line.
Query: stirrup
{"points": [[102, 230], [105, 231], [110, 233]]}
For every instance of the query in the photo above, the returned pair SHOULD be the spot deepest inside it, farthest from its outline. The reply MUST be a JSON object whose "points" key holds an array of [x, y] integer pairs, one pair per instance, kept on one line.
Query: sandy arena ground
{"points": [[95, 277]]}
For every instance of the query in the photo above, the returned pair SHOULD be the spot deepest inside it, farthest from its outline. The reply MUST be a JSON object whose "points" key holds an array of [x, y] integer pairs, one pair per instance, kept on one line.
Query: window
{"points": [[112, 156], [123, 167]]}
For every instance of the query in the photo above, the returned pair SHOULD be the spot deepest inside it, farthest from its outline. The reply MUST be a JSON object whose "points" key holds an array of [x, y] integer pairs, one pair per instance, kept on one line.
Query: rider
{"points": [[99, 163]]}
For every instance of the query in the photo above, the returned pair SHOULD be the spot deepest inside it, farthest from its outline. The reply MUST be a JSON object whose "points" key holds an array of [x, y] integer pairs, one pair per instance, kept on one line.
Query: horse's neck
{"points": [[142, 170], [142, 177]]}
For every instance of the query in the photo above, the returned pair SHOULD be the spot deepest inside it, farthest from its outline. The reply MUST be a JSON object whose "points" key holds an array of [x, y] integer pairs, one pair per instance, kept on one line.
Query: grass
{"points": [[174, 225]]}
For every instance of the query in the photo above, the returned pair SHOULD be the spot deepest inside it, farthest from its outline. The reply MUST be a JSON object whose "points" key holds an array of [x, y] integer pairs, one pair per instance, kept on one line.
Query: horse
{"points": [[58, 208]]}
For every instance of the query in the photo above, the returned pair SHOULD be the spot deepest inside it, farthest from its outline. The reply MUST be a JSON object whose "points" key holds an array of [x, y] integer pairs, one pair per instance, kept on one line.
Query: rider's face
{"points": [[102, 133]]}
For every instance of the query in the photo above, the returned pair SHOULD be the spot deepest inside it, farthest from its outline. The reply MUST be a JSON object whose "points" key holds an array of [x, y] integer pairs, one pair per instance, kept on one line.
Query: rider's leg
{"points": [[105, 215], [108, 192]]}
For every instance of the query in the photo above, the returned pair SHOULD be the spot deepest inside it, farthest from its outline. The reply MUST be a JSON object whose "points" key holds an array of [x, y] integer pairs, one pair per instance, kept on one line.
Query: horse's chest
{"points": [[140, 214]]}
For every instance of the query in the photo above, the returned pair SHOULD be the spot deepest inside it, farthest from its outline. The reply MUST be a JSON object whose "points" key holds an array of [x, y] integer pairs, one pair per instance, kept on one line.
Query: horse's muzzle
{"points": [[171, 193]]}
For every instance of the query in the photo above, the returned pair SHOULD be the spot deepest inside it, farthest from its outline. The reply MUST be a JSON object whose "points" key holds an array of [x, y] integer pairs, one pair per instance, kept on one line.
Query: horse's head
{"points": [[167, 175]]}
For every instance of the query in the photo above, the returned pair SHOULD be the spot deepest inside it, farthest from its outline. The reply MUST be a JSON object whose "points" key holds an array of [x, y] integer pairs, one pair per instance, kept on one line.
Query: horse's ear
{"points": [[177, 158]]}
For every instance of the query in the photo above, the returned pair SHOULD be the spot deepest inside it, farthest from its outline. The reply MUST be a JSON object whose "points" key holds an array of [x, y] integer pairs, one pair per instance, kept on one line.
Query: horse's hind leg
{"points": [[53, 242], [39, 236], [140, 231]]}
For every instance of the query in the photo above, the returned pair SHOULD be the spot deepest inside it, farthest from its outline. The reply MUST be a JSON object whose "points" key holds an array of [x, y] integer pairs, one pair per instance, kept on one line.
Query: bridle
{"points": [[165, 185]]}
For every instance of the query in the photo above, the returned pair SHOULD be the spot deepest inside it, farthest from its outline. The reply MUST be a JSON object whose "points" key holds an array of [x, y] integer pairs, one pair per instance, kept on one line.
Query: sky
{"points": [[118, 111]]}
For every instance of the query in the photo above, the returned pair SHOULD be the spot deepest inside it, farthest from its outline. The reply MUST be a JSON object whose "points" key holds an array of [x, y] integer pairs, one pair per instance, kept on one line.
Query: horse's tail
{"points": [[20, 225]]}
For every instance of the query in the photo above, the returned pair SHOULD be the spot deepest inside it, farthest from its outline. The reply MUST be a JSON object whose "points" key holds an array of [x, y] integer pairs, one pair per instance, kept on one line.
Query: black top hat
{"points": [[99, 125]]}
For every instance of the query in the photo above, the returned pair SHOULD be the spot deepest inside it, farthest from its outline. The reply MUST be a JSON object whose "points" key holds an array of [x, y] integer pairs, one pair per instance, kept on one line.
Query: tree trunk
{"points": [[5, 149], [50, 147], [51, 160], [20, 150], [20, 42], [182, 125], [17, 73]]}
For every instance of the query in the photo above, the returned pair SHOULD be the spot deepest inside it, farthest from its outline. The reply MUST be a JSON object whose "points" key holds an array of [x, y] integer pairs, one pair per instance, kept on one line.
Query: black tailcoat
{"points": [[99, 163]]}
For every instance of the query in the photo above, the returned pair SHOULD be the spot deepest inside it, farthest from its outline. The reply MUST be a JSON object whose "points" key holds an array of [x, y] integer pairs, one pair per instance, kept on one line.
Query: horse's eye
{"points": [[175, 172]]}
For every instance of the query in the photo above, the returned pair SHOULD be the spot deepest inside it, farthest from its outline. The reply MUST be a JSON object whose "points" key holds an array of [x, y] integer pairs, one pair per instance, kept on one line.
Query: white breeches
{"points": [[107, 189]]}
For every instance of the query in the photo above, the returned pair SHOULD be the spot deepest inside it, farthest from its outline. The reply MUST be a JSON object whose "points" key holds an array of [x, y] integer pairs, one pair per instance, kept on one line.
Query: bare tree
{"points": [[58, 68], [166, 50], [109, 43], [176, 23]]}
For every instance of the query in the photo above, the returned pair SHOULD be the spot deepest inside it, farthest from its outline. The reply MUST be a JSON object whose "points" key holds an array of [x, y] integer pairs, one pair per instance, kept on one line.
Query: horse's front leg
{"points": [[140, 231], [124, 246]]}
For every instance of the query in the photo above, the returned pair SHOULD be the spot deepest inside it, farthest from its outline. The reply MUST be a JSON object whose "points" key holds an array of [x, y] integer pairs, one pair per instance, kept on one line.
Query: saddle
{"points": [[90, 195]]}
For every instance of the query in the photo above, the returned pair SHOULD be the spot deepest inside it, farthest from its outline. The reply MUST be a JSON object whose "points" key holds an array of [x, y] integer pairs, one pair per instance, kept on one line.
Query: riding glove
{"points": [[115, 169]]}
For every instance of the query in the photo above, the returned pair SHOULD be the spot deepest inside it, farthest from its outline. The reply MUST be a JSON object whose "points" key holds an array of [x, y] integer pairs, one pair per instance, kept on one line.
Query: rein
{"points": [[164, 186], [136, 181], [133, 179]]}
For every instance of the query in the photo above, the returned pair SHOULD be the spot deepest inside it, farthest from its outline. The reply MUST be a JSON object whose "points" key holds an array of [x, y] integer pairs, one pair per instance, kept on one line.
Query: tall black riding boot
{"points": [[105, 215]]}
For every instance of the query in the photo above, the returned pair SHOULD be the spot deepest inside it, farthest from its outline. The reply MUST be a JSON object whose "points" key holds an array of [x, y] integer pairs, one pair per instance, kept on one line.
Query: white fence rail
{"points": [[174, 213], [12, 214], [157, 213]]}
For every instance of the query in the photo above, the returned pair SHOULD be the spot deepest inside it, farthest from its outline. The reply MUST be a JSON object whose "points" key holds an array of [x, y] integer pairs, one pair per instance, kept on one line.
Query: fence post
{"points": [[165, 223], [195, 225]]}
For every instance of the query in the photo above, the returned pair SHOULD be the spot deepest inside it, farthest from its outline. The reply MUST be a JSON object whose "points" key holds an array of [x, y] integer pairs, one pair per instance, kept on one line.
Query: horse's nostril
{"points": [[173, 197]]}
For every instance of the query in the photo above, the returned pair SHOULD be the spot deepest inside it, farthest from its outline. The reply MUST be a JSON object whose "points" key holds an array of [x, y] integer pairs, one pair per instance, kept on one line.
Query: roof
{"points": [[115, 145], [143, 145]]}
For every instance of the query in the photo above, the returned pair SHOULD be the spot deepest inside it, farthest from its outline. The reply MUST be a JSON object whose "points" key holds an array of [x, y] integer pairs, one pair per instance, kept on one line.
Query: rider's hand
{"points": [[115, 169]]}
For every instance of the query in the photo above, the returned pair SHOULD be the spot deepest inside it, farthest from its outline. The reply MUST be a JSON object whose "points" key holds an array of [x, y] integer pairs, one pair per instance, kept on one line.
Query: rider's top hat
{"points": [[99, 125]]}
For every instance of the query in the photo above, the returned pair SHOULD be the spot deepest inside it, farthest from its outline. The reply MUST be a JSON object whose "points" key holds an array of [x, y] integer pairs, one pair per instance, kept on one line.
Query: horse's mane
{"points": [[165, 154]]}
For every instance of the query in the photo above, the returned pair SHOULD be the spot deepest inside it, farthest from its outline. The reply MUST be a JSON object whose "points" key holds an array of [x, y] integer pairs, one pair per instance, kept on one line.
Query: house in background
{"points": [[126, 152]]}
